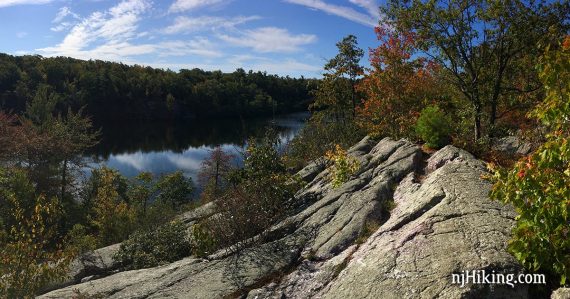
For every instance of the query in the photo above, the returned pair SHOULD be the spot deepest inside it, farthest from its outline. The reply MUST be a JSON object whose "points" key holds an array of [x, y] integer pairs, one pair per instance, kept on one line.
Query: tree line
{"points": [[115, 91]]}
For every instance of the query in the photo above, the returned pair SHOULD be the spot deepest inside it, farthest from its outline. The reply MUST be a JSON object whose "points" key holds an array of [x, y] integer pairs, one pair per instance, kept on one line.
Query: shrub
{"points": [[28, 260], [203, 242], [261, 194], [175, 189], [539, 185], [434, 127], [213, 174], [111, 216], [317, 137], [79, 240], [166, 244], [158, 213], [343, 166]]}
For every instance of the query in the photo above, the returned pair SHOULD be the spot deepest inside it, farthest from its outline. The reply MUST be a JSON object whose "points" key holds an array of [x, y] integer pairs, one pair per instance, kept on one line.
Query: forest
{"points": [[465, 73], [115, 91]]}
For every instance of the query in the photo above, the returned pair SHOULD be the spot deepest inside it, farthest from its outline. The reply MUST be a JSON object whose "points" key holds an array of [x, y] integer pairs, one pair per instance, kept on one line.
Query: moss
{"points": [[370, 227]]}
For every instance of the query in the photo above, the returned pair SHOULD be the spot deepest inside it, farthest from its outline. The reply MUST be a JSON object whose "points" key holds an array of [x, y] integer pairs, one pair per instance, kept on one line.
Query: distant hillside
{"points": [[115, 91]]}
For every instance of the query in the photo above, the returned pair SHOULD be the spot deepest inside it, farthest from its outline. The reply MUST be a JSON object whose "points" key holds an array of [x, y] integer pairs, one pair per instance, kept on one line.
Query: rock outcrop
{"points": [[349, 242], [562, 293], [512, 145]]}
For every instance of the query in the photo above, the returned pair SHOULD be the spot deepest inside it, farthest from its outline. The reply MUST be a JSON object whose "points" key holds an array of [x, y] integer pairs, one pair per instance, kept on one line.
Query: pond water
{"points": [[167, 147]]}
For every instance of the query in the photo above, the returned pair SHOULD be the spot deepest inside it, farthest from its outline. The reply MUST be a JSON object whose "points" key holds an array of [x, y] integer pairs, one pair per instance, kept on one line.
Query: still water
{"points": [[167, 147]]}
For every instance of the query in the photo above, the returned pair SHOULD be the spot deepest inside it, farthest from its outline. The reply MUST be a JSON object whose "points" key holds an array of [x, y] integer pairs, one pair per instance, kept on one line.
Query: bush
{"points": [[166, 244], [317, 137], [175, 189], [28, 260], [343, 166], [79, 240], [112, 217], [434, 127], [203, 242], [261, 194], [538, 185]]}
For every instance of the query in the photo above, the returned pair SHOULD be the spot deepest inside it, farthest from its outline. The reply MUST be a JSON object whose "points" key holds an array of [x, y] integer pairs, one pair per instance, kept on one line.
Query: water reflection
{"points": [[166, 147]]}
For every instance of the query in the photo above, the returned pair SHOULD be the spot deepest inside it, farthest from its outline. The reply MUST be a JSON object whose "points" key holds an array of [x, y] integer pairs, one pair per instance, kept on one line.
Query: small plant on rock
{"points": [[203, 241], [343, 166]]}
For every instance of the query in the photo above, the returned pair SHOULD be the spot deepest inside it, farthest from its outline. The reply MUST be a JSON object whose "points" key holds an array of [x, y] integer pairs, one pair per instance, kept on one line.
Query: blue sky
{"points": [[286, 37]]}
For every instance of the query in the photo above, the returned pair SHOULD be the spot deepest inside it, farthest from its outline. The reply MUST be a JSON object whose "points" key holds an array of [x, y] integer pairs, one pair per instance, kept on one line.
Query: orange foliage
{"points": [[397, 85]]}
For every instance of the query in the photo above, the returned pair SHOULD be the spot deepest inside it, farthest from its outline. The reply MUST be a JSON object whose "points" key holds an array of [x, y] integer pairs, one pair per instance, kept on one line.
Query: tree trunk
{"points": [[353, 94], [493, 116], [63, 179], [495, 100], [477, 122]]}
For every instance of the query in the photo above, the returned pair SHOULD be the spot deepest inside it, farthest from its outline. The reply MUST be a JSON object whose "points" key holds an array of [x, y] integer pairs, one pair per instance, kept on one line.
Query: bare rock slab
{"points": [[444, 225]]}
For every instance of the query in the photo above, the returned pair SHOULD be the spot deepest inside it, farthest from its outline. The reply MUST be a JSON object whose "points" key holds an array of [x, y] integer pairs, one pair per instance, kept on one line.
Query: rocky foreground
{"points": [[399, 228]]}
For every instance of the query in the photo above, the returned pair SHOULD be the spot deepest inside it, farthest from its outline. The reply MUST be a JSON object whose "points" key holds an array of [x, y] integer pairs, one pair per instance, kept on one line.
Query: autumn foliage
{"points": [[539, 185], [397, 85], [30, 255]]}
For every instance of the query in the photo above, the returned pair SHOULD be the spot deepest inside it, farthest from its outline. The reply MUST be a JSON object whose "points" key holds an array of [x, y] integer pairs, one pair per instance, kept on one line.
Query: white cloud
{"points": [[184, 24], [341, 11], [110, 35], [370, 5], [123, 50], [21, 34], [199, 46], [185, 5], [129, 7], [61, 26], [6, 3], [59, 18], [269, 39], [112, 29], [62, 13]]}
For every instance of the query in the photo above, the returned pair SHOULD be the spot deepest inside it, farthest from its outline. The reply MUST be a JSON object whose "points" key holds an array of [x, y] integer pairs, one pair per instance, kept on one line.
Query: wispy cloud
{"points": [[184, 24], [112, 27], [21, 34], [124, 50], [62, 14], [198, 46], [269, 39], [370, 5], [6, 3], [61, 26], [368, 19], [110, 35], [186, 5]]}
